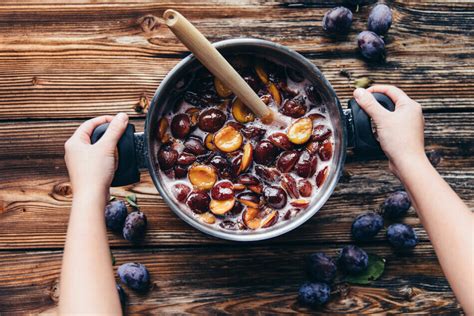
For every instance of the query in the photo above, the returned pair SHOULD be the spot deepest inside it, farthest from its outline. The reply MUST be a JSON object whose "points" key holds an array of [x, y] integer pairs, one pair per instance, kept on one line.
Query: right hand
{"points": [[400, 133]]}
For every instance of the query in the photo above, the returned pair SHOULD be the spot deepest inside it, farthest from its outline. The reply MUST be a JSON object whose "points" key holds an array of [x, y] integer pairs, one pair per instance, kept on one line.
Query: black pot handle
{"points": [[364, 140], [127, 170]]}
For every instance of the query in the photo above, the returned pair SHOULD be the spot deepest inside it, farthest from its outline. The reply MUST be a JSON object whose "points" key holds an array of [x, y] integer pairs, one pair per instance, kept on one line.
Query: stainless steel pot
{"points": [[138, 150]]}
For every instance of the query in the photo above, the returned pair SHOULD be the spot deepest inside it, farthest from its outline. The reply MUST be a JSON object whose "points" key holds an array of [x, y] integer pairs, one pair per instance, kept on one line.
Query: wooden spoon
{"points": [[216, 63]]}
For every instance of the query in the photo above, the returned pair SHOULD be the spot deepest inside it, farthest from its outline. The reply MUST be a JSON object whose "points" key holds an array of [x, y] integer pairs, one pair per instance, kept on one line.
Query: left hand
{"points": [[91, 167]]}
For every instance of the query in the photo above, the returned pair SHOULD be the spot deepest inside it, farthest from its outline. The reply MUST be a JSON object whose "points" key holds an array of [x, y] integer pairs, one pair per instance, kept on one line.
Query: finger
{"points": [[115, 130], [84, 131], [394, 93], [368, 103]]}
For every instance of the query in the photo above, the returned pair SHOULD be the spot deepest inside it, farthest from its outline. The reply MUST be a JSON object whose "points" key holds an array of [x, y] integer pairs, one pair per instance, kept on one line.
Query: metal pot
{"points": [[352, 128]]}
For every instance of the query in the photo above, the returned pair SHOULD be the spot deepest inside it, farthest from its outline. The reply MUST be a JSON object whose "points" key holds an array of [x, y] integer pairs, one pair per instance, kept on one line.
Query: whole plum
{"points": [[371, 46], [134, 275], [401, 236], [353, 259], [396, 205], [321, 267], [115, 214], [337, 20], [135, 226], [314, 294], [380, 19], [366, 226]]}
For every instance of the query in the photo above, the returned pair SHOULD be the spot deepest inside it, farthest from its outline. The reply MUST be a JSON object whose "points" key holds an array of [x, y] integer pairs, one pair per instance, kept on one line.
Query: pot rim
{"points": [[329, 184]]}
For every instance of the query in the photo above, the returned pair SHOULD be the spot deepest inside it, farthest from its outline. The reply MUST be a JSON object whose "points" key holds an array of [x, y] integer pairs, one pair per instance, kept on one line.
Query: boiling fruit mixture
{"points": [[227, 168]]}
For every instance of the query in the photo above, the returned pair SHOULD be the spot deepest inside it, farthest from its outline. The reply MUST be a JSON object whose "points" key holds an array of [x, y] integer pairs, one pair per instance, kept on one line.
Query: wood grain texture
{"points": [[61, 63], [242, 279], [85, 60]]}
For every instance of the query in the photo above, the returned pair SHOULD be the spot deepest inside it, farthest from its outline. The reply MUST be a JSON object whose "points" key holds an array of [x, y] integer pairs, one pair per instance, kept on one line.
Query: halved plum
{"points": [[300, 131], [228, 139], [265, 152], [198, 202], [287, 160], [202, 177], [211, 120], [222, 190], [181, 191], [275, 196], [180, 126]]}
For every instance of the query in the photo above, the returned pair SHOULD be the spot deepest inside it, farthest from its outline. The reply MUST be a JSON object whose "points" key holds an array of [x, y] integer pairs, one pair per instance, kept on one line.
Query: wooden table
{"points": [[63, 63]]}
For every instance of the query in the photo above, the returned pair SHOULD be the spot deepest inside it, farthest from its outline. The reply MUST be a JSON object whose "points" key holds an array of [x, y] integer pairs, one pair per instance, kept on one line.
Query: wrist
{"points": [[92, 194], [409, 165]]}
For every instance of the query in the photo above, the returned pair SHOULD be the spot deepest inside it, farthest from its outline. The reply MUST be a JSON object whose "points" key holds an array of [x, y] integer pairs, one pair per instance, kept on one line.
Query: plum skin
{"points": [[134, 275], [321, 267], [371, 46], [402, 236], [115, 214], [353, 259], [337, 20], [135, 226], [380, 19], [314, 294], [366, 226], [396, 205]]}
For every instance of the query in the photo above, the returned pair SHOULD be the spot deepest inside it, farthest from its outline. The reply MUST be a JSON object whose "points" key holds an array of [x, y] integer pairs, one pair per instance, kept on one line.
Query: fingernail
{"points": [[359, 92], [122, 117]]}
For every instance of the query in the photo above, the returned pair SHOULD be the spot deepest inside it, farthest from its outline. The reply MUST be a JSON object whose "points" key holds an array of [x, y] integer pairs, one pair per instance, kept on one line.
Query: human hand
{"points": [[91, 167], [400, 133]]}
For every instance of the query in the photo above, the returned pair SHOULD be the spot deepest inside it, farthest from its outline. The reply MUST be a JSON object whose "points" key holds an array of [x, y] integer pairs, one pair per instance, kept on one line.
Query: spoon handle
{"points": [[215, 63]]}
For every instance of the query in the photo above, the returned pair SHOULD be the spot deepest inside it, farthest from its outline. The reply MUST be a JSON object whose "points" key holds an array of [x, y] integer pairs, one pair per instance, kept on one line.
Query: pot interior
{"points": [[169, 92]]}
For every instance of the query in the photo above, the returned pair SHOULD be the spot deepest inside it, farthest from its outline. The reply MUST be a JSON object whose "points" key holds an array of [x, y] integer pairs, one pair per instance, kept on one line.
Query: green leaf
{"points": [[132, 200], [374, 270], [113, 258], [363, 82]]}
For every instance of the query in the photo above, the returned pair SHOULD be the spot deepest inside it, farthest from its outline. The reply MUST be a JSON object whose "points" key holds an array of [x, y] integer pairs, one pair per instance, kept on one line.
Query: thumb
{"points": [[368, 103], [115, 130]]}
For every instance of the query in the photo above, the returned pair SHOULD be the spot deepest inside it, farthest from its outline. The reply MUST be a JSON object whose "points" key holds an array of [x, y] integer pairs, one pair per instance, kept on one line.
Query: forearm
{"points": [[87, 280], [448, 222]]}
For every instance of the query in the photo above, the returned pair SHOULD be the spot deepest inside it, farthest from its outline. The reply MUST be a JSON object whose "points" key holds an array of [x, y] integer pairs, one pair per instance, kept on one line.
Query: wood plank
{"points": [[243, 279], [34, 188], [79, 65]]}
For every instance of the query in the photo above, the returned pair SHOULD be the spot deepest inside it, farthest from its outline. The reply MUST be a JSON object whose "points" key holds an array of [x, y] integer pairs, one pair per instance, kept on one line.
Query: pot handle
{"points": [[129, 153], [364, 140]]}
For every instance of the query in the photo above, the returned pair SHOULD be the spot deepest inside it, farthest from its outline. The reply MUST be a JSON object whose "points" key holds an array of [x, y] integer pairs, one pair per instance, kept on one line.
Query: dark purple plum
{"points": [[401, 236], [115, 214], [371, 46], [135, 276], [366, 226], [321, 267], [135, 227], [380, 19], [353, 259], [337, 21], [396, 205], [314, 294]]}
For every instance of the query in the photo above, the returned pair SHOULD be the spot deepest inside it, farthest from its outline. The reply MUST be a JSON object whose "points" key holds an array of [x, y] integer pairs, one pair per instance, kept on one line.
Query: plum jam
{"points": [[228, 169]]}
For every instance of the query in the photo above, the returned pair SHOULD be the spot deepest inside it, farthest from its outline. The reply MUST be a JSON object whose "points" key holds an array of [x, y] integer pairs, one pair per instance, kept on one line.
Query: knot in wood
{"points": [[63, 189], [149, 23]]}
